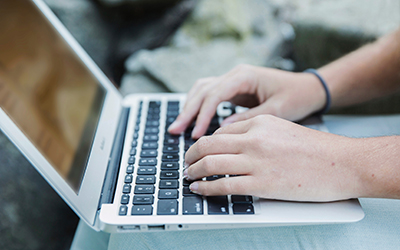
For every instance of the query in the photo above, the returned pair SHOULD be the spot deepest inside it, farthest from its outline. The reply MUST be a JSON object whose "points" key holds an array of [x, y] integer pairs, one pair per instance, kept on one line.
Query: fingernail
{"points": [[185, 174], [194, 187], [194, 132], [226, 122], [174, 125]]}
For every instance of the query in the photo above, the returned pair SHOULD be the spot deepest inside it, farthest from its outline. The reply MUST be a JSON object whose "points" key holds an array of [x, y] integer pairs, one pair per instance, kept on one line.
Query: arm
{"points": [[277, 159], [370, 72], [367, 73]]}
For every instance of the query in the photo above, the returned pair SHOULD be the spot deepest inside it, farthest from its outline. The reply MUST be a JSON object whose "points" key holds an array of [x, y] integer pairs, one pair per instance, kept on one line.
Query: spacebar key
{"points": [[193, 205]]}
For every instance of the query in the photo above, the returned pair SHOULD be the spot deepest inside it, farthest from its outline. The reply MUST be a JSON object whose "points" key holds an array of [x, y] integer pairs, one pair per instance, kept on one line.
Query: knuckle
{"points": [[242, 67], [208, 165], [202, 144], [200, 82], [213, 97], [227, 187], [203, 188]]}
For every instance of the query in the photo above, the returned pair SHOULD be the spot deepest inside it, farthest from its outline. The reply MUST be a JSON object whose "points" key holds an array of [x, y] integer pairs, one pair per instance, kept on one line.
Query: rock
{"points": [[216, 37]]}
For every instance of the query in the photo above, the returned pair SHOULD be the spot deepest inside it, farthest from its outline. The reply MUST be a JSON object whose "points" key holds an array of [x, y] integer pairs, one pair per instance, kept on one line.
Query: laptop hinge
{"points": [[110, 181]]}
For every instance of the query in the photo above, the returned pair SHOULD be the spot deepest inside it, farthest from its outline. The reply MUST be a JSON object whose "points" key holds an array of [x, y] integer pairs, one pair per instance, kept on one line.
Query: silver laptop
{"points": [[110, 158]]}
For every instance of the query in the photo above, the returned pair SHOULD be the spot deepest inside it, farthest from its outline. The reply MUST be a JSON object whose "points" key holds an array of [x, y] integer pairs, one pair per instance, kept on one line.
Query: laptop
{"points": [[111, 158]]}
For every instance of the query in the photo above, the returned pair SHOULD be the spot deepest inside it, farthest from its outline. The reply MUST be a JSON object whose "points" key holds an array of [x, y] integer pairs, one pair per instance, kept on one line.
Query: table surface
{"points": [[378, 228]]}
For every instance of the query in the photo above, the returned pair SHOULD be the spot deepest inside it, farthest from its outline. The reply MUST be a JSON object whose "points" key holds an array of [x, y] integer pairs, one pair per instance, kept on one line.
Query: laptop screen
{"points": [[46, 90]]}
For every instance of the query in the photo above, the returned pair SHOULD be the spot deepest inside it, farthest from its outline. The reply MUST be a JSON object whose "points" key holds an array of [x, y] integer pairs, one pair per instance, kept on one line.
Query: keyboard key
{"points": [[168, 136], [168, 184], [125, 199], [123, 210], [142, 210], [167, 207], [217, 205], [242, 199], [172, 113], [150, 145], [192, 205], [137, 128], [148, 162], [173, 105], [143, 199], [170, 149], [186, 183], [126, 189], [145, 179], [188, 192], [129, 169], [169, 166], [154, 103], [151, 131], [146, 170], [144, 189], [170, 120], [214, 177], [152, 123], [171, 141], [148, 153], [134, 143], [150, 138], [169, 174], [133, 152], [131, 160], [153, 117], [168, 194], [153, 110], [243, 208], [170, 157], [128, 178]]}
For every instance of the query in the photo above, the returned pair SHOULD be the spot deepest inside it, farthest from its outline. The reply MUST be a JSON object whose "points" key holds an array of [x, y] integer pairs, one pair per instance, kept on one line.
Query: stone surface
{"points": [[217, 36]]}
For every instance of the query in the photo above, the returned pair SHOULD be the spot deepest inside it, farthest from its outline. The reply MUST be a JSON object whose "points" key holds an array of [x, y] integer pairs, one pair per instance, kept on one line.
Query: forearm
{"points": [[378, 164], [370, 72]]}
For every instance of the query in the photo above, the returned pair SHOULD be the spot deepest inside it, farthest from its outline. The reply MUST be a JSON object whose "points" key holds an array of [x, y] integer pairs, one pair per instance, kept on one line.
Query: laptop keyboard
{"points": [[147, 191]]}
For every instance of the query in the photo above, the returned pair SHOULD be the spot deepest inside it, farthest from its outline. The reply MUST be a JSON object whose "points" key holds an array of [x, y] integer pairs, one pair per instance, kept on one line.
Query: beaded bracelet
{"points": [[327, 106]]}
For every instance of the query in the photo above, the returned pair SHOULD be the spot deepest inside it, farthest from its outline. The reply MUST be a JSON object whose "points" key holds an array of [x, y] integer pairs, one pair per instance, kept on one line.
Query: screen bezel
{"points": [[84, 203]]}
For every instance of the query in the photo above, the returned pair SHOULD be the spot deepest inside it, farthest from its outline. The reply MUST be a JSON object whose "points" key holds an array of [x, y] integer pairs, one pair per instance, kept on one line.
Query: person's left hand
{"points": [[275, 159]]}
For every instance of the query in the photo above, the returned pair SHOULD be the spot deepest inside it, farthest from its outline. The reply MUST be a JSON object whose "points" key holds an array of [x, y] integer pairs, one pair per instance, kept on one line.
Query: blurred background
{"points": [[164, 46]]}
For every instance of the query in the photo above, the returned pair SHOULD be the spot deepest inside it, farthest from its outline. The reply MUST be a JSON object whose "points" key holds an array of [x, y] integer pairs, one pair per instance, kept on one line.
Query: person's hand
{"points": [[265, 91], [274, 159]]}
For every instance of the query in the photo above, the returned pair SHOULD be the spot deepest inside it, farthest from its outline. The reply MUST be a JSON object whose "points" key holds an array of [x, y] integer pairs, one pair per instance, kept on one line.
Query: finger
{"points": [[240, 127], [240, 185], [212, 145], [210, 104], [265, 108], [221, 164], [190, 110], [199, 84]]}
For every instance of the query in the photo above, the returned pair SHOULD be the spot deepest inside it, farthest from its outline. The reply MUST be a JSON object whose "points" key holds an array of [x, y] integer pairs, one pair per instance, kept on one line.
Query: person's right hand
{"points": [[288, 95]]}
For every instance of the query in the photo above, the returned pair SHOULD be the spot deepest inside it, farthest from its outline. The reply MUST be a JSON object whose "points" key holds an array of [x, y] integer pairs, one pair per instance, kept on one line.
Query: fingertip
{"points": [[194, 187], [227, 121], [174, 127], [197, 132]]}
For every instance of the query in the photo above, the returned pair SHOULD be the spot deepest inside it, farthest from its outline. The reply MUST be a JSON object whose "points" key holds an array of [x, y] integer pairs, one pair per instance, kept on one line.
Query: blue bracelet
{"points": [[328, 95]]}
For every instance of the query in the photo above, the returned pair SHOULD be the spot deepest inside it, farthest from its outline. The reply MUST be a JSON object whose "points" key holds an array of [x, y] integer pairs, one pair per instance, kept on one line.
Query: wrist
{"points": [[316, 94], [378, 167], [324, 85]]}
